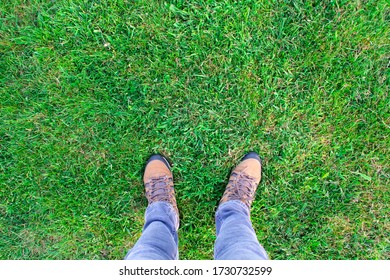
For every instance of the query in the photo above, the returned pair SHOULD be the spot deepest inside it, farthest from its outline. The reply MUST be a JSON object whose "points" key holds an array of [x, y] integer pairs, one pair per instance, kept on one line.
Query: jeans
{"points": [[236, 239]]}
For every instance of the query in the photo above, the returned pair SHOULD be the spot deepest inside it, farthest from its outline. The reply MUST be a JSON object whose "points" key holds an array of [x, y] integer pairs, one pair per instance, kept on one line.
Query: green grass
{"points": [[90, 89]]}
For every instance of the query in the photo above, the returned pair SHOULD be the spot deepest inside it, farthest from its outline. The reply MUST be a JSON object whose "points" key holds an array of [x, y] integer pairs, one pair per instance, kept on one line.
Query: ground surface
{"points": [[90, 89]]}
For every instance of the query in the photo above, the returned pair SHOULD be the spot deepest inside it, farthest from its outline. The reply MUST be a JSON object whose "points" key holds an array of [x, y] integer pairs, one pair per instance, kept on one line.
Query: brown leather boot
{"points": [[244, 180], [158, 180]]}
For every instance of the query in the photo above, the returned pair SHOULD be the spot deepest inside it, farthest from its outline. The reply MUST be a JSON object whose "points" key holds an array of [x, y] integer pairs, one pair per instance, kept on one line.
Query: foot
{"points": [[158, 181], [244, 180]]}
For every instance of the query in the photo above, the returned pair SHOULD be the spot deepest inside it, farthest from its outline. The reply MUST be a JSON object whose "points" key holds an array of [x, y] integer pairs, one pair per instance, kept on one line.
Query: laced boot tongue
{"points": [[160, 184], [159, 189], [160, 194], [241, 188]]}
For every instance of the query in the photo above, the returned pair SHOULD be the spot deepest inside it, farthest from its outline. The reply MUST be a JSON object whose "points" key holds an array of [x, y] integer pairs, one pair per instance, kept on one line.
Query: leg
{"points": [[159, 237], [236, 238]]}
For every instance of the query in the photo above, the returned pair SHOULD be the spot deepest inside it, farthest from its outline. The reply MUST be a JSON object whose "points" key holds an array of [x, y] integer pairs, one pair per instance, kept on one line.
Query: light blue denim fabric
{"points": [[159, 236], [236, 238]]}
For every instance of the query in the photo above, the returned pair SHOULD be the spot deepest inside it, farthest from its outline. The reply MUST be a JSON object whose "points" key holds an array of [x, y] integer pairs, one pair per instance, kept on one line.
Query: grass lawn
{"points": [[90, 89]]}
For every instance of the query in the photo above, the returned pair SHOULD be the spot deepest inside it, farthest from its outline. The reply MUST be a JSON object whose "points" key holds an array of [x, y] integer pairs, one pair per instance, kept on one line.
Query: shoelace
{"points": [[158, 189], [241, 187]]}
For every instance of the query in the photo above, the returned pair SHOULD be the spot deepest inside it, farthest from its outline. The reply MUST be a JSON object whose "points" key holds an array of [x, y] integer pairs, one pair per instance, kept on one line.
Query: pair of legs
{"points": [[236, 238]]}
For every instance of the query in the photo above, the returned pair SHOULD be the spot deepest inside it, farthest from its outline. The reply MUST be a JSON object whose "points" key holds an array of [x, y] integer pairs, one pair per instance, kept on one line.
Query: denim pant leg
{"points": [[159, 236], [236, 239]]}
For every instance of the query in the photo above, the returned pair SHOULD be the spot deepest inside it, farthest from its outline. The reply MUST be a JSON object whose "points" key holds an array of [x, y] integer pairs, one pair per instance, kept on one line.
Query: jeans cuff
{"points": [[167, 209], [236, 204]]}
